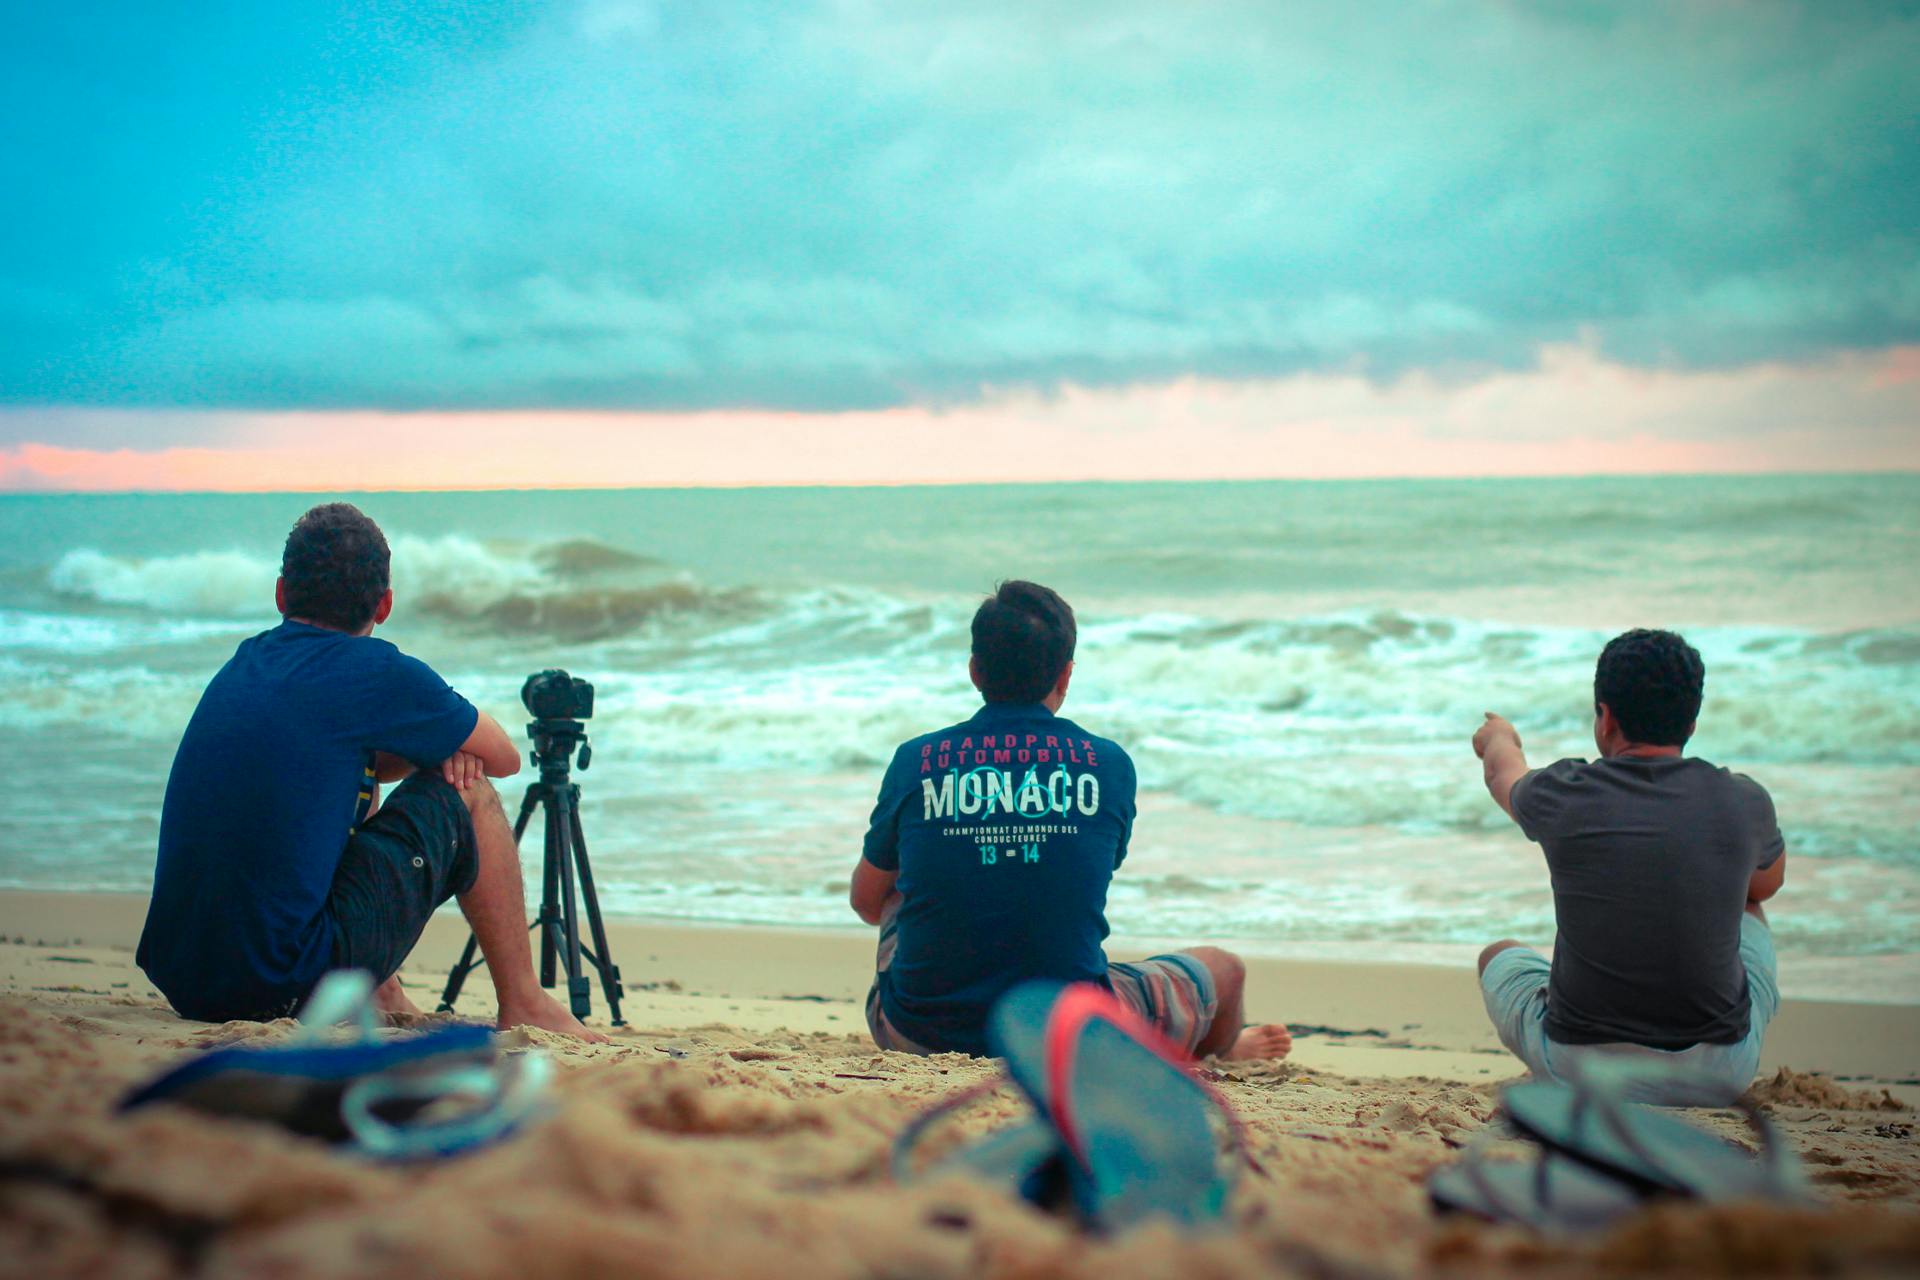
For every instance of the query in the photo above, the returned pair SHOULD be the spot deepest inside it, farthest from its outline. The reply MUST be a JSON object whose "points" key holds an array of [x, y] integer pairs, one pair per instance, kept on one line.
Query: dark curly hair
{"points": [[1023, 638], [1653, 680], [335, 567]]}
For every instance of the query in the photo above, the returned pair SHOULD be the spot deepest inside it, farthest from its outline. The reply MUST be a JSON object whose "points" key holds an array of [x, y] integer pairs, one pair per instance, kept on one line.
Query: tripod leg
{"points": [[549, 917], [602, 958], [458, 978], [527, 803], [560, 852]]}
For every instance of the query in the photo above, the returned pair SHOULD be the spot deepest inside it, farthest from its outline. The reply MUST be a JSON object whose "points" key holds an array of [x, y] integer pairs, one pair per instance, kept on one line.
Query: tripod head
{"points": [[561, 703], [554, 742]]}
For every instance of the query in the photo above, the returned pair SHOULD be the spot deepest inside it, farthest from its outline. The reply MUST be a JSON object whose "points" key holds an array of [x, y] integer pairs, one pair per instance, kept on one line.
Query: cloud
{"points": [[848, 206]]}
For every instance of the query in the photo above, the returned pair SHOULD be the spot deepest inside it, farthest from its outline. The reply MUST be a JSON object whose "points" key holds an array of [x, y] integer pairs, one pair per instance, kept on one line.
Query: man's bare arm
{"points": [[495, 749], [1767, 881], [871, 890], [1502, 760], [487, 751]]}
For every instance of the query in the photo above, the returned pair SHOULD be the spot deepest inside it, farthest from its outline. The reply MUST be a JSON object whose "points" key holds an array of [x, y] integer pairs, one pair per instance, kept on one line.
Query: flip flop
{"points": [[1140, 1133], [1548, 1193], [1656, 1153], [436, 1094]]}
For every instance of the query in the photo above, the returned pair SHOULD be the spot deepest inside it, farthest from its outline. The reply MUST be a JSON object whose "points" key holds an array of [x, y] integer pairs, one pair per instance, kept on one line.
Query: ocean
{"points": [[1296, 668]]}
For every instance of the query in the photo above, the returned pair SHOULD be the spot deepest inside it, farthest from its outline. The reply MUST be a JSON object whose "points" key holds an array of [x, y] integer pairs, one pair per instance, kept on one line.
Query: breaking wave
{"points": [[216, 583], [1204, 697], [572, 590], [1340, 719]]}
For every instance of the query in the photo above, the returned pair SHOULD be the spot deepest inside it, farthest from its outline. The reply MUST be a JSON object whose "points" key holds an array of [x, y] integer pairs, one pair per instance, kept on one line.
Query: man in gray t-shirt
{"points": [[1659, 864]]}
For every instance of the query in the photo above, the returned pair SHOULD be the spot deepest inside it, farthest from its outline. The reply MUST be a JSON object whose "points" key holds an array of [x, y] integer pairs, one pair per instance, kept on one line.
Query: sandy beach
{"points": [[740, 1124]]}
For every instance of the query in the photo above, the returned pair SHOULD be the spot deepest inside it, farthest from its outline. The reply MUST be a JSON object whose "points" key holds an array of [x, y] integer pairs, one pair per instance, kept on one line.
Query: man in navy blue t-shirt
{"points": [[277, 860], [989, 855]]}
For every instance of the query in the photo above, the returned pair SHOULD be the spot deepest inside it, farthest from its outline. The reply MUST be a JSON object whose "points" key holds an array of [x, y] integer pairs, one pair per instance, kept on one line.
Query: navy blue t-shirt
{"points": [[264, 793], [1006, 830]]}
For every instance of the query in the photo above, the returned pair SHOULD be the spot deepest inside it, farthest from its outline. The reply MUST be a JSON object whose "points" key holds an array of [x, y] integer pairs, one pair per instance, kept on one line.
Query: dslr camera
{"points": [[555, 695]]}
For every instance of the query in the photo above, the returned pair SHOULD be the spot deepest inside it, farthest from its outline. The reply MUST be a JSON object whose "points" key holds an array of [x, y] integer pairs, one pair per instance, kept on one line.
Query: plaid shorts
{"points": [[1173, 993]]}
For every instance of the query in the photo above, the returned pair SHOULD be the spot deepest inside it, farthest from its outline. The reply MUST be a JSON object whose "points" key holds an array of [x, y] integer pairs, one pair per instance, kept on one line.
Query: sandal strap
{"points": [[508, 1090], [900, 1160], [344, 995], [1083, 1003], [1603, 1088], [1078, 1005]]}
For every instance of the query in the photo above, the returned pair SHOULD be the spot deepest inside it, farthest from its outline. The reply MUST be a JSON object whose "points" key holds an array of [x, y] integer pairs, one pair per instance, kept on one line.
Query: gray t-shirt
{"points": [[1650, 858]]}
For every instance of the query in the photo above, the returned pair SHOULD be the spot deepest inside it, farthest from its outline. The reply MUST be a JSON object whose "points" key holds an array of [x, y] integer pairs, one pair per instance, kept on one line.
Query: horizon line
{"points": [[1504, 477]]}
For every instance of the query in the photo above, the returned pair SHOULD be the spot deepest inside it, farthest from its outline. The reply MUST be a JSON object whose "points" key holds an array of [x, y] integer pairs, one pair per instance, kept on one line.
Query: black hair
{"points": [[1023, 637], [1653, 680], [335, 567]]}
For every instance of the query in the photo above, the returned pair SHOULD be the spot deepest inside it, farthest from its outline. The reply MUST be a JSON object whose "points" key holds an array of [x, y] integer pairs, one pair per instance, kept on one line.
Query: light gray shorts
{"points": [[1515, 990]]}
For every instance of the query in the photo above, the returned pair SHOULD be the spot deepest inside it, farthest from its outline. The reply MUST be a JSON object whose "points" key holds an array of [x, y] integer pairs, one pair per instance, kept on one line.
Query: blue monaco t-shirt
{"points": [[1005, 830], [264, 792]]}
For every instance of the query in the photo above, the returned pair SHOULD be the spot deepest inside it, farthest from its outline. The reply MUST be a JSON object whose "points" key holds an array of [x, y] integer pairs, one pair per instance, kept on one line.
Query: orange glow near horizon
{"points": [[1573, 414]]}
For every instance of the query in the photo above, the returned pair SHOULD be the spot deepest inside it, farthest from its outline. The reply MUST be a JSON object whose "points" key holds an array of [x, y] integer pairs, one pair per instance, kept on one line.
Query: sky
{"points": [[592, 242]]}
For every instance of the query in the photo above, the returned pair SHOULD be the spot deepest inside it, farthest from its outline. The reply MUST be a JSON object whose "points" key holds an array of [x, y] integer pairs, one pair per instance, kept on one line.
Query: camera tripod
{"points": [[558, 923]]}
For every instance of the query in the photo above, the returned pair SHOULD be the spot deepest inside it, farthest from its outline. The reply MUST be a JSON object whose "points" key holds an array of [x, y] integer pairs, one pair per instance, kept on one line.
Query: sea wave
{"points": [[130, 700], [582, 590], [728, 662], [571, 590], [77, 634], [202, 583], [1349, 718]]}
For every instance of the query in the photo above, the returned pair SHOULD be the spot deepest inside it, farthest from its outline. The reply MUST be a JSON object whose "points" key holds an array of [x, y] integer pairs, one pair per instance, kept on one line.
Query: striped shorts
{"points": [[1172, 993]]}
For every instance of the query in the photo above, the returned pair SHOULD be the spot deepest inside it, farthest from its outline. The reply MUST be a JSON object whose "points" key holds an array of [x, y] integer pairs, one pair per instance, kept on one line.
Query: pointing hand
{"points": [[1495, 728]]}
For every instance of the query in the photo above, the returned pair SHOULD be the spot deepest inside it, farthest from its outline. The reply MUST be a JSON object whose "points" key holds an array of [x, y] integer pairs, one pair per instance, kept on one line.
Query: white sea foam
{"points": [[463, 573], [129, 700], [567, 591], [218, 583], [1211, 705]]}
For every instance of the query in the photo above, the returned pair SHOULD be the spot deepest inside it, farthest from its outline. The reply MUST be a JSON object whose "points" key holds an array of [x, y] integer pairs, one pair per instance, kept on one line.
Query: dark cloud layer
{"points": [[850, 205]]}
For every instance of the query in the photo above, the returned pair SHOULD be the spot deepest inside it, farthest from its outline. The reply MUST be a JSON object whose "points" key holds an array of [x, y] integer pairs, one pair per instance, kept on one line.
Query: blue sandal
{"points": [[436, 1094], [1604, 1157], [1648, 1149]]}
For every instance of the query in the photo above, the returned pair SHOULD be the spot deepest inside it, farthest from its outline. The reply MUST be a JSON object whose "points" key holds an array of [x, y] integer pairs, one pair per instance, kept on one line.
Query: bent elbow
{"points": [[873, 906], [1767, 883]]}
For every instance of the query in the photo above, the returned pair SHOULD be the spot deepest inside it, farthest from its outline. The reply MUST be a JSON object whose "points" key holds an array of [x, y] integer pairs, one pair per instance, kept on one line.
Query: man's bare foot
{"points": [[1271, 1041], [390, 1001], [538, 1009]]}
